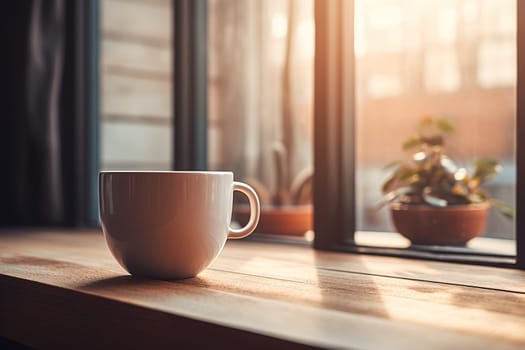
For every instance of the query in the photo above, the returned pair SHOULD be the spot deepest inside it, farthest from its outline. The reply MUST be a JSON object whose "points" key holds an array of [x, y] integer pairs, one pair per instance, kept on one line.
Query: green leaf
{"points": [[387, 185], [411, 143], [505, 209], [392, 196], [404, 173], [443, 125], [393, 164], [485, 168]]}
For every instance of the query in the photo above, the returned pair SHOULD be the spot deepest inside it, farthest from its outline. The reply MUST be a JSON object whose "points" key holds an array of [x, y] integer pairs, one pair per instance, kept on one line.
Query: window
{"points": [[375, 79], [459, 64]]}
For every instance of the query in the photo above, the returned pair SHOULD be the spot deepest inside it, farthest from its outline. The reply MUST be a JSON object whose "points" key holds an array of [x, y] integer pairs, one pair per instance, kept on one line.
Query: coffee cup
{"points": [[170, 224]]}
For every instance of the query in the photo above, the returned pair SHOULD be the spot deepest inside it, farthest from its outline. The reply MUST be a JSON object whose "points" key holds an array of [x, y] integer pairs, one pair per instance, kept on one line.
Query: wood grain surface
{"points": [[64, 289]]}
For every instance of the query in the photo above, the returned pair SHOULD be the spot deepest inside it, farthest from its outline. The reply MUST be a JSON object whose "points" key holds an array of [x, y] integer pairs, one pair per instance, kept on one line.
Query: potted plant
{"points": [[288, 209], [432, 200]]}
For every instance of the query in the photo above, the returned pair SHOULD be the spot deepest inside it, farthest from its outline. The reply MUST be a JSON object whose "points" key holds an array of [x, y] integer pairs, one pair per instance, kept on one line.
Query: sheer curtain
{"points": [[42, 137], [260, 88]]}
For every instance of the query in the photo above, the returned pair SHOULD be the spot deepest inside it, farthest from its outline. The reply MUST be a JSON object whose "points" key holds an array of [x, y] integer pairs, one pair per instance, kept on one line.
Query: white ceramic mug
{"points": [[170, 224]]}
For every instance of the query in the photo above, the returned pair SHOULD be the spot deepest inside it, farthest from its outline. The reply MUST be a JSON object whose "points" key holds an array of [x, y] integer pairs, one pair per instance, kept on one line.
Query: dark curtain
{"points": [[41, 135]]}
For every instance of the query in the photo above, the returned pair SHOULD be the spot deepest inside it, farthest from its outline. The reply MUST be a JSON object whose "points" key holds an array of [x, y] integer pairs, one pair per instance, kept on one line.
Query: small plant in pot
{"points": [[288, 209], [432, 200]]}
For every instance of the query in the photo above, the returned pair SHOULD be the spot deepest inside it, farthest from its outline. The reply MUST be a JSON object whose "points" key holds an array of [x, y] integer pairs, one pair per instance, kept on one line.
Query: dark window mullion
{"points": [[190, 84], [334, 215]]}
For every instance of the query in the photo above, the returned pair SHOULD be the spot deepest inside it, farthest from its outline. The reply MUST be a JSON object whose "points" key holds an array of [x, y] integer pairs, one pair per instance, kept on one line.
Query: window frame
{"points": [[334, 144]]}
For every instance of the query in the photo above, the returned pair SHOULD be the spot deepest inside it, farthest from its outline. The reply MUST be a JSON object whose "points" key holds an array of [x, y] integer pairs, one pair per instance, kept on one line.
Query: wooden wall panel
{"points": [[135, 59], [135, 97], [148, 22], [131, 143]]}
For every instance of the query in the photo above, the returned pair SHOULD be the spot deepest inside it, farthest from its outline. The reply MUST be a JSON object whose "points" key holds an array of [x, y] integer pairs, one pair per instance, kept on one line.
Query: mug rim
{"points": [[192, 172]]}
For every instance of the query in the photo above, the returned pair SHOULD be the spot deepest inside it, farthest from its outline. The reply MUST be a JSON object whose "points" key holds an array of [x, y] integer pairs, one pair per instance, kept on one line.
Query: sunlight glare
{"points": [[279, 25]]}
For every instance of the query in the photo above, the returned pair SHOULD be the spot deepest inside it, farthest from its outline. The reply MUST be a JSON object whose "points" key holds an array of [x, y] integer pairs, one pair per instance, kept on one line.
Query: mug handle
{"points": [[255, 211]]}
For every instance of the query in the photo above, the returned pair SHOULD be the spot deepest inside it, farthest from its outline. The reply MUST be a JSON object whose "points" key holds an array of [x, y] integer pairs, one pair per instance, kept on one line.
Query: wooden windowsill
{"points": [[63, 289]]}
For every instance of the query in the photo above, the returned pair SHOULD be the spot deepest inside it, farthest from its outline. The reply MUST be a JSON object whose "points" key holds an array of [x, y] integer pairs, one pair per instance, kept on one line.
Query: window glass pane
{"points": [[260, 92], [135, 66], [447, 60]]}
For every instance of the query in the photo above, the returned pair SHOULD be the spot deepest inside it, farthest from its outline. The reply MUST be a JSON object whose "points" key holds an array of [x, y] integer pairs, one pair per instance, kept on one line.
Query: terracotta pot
{"points": [[285, 220], [452, 225]]}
